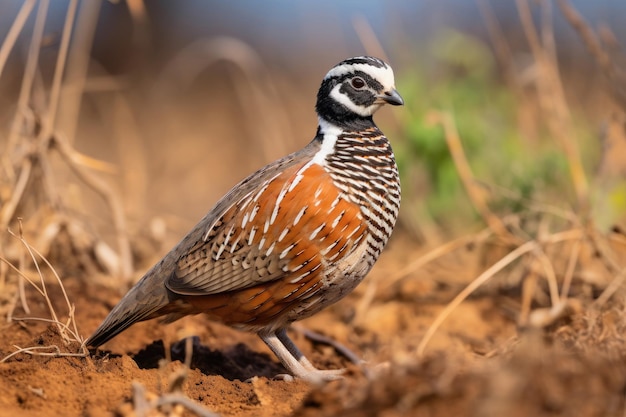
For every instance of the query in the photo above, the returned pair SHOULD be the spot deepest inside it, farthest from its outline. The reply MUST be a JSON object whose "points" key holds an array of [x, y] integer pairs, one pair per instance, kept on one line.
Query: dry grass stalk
{"points": [[112, 199], [34, 254], [368, 38], [571, 267], [529, 286], [434, 254], [595, 47], [67, 329], [47, 137], [149, 404], [480, 280], [21, 287], [501, 47], [551, 96], [14, 31], [23, 110], [475, 193], [55, 91], [375, 288], [23, 113], [77, 66], [531, 246], [616, 284], [545, 263], [51, 350]]}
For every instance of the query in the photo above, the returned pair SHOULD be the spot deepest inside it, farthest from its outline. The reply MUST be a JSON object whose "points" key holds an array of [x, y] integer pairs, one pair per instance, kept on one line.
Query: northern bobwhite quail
{"points": [[292, 238]]}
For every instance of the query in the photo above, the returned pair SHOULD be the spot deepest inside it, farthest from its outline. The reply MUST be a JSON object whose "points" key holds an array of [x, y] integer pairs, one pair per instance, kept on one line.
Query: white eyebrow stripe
{"points": [[383, 75]]}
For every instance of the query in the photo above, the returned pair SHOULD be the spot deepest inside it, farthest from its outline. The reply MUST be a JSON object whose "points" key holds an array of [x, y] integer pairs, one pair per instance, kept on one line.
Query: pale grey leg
{"points": [[295, 362]]}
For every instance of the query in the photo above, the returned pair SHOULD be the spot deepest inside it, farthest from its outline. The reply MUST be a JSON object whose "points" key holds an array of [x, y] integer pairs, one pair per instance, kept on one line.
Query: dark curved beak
{"points": [[392, 97]]}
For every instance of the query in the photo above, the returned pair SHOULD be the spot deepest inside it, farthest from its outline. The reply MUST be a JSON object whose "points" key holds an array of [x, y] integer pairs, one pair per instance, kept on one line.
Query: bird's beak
{"points": [[390, 97]]}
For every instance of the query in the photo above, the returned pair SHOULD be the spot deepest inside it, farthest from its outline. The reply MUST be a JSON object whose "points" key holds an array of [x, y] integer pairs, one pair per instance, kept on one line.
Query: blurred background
{"points": [[169, 104]]}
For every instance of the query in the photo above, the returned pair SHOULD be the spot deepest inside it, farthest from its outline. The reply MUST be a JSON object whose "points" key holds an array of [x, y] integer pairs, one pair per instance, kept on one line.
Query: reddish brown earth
{"points": [[478, 364]]}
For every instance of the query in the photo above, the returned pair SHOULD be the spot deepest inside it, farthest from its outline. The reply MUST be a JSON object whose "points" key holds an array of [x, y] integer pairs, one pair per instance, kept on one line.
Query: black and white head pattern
{"points": [[354, 89]]}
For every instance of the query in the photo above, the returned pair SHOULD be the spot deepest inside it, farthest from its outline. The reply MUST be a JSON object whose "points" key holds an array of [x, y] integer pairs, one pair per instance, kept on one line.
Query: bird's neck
{"points": [[333, 139], [330, 128], [348, 122]]}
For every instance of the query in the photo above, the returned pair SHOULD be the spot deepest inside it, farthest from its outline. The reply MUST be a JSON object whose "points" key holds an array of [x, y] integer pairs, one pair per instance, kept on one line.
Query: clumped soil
{"points": [[480, 363]]}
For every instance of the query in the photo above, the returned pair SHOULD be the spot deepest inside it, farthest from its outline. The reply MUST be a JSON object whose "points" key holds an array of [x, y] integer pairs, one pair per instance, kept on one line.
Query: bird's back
{"points": [[149, 297]]}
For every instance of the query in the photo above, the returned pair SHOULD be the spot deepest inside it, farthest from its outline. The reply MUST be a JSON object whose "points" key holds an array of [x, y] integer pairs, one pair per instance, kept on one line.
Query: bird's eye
{"points": [[358, 83]]}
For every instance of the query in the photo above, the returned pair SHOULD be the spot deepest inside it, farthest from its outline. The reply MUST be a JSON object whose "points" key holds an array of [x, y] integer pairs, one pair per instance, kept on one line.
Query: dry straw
{"points": [[67, 328], [42, 136]]}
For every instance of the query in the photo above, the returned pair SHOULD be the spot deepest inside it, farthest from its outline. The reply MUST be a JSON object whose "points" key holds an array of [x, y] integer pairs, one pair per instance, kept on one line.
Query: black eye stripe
{"points": [[362, 97], [371, 82]]}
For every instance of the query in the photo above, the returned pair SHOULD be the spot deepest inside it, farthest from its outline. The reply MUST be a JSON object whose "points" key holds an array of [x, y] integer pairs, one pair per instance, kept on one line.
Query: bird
{"points": [[292, 238]]}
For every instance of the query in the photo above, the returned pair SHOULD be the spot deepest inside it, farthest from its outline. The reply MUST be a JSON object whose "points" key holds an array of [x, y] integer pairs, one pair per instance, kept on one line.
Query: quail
{"points": [[292, 238]]}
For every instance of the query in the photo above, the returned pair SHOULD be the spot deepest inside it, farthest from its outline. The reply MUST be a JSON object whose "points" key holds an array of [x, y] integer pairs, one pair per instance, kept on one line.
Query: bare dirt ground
{"points": [[478, 364]]}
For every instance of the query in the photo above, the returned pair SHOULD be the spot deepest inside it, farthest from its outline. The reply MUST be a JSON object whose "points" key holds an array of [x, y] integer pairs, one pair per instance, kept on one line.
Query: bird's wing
{"points": [[277, 223]]}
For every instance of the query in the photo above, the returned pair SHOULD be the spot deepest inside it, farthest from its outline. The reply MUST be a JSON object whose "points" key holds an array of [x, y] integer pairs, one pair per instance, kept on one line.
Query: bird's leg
{"points": [[294, 351], [294, 360]]}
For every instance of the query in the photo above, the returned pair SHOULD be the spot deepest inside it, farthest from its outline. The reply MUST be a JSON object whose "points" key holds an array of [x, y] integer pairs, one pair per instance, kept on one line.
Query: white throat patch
{"points": [[330, 132]]}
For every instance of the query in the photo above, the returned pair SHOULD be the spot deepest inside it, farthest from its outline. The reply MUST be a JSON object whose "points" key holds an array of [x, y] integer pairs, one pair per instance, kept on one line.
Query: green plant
{"points": [[503, 154]]}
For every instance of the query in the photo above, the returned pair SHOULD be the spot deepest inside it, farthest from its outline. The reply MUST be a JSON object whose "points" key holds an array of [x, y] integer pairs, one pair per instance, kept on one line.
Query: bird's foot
{"points": [[313, 376]]}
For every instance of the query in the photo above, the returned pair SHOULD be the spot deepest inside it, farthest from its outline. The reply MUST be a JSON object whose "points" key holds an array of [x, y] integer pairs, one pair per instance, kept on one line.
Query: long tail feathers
{"points": [[136, 306], [149, 298]]}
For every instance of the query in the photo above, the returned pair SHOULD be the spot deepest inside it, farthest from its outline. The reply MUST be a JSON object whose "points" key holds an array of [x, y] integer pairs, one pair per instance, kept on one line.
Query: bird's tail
{"points": [[146, 300], [149, 298]]}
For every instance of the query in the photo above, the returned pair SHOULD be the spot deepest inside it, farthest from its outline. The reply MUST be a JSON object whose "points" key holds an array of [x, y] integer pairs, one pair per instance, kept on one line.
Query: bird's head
{"points": [[354, 89]]}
